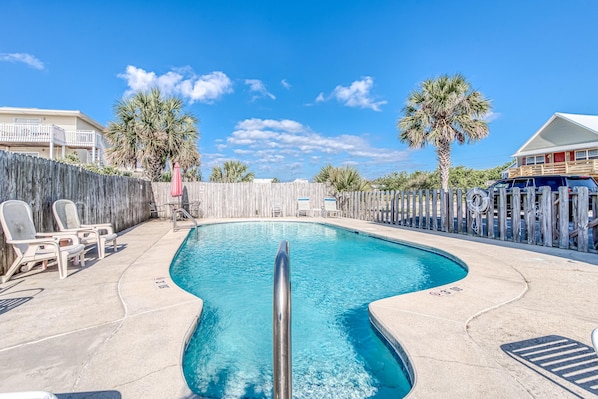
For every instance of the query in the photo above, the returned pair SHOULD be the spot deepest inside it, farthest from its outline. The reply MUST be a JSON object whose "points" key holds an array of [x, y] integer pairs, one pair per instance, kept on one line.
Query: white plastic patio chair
{"points": [[330, 208], [32, 247], [303, 207], [67, 219], [276, 208]]}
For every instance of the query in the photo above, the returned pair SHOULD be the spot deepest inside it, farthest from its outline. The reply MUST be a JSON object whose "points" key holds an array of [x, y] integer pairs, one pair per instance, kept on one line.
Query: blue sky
{"points": [[289, 86]]}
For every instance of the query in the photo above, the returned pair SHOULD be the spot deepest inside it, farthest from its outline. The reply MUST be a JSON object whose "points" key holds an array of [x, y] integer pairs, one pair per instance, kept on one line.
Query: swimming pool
{"points": [[335, 274]]}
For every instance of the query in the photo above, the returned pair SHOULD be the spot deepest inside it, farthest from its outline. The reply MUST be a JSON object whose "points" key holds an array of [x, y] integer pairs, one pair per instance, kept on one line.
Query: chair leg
{"points": [[63, 259], [100, 243], [101, 248], [29, 266], [12, 269]]}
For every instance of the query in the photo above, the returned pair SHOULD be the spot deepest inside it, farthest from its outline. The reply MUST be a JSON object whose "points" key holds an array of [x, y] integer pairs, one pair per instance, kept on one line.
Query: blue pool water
{"points": [[335, 274]]}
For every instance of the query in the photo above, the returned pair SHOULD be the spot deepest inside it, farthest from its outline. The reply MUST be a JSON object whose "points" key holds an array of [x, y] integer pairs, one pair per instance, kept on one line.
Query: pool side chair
{"points": [[276, 208], [303, 207], [330, 208], [67, 219], [32, 247]]}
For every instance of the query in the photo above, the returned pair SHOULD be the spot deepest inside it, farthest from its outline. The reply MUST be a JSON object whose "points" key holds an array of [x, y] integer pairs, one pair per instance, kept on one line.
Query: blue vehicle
{"points": [[553, 181]]}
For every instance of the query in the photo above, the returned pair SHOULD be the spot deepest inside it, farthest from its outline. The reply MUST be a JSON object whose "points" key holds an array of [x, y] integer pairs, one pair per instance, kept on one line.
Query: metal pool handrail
{"points": [[281, 323], [183, 213]]}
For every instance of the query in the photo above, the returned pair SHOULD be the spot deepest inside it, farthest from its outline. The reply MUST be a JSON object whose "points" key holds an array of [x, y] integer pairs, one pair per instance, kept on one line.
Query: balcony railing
{"points": [[28, 133], [40, 133], [52, 136], [585, 167], [84, 138]]}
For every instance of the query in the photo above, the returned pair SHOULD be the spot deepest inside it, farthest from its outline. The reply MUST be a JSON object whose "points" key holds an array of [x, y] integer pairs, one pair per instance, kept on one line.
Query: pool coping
{"points": [[463, 358], [95, 332]]}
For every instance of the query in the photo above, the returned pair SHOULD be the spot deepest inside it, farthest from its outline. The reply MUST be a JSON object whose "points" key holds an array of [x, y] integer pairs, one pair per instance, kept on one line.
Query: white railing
{"points": [[589, 167], [40, 133], [83, 138], [88, 139], [53, 135], [29, 133]]}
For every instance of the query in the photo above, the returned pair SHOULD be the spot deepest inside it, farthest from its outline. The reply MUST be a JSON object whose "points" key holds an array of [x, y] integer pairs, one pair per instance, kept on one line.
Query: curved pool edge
{"points": [[423, 312], [452, 334], [428, 328], [442, 334], [183, 309]]}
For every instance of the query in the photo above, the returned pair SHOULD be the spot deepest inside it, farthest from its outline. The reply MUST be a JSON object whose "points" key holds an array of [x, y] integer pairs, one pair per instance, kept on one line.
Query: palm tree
{"points": [[151, 130], [325, 174], [342, 179], [231, 172], [445, 110]]}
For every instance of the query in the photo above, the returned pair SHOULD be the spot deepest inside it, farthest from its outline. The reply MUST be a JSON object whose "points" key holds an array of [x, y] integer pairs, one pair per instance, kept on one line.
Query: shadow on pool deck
{"points": [[558, 358], [90, 395]]}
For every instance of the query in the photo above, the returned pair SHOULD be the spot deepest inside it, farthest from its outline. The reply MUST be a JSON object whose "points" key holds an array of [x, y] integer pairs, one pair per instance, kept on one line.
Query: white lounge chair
{"points": [[276, 208], [303, 207], [330, 208], [67, 218], [32, 247]]}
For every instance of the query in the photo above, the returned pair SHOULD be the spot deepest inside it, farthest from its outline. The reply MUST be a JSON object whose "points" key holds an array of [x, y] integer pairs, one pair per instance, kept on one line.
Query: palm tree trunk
{"points": [[443, 152]]}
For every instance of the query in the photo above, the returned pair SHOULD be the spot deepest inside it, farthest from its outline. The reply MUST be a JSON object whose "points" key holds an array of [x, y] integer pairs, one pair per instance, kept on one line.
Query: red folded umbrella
{"points": [[176, 183]]}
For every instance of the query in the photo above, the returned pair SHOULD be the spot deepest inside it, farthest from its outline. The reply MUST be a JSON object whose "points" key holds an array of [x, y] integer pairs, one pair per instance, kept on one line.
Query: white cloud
{"points": [[492, 116], [268, 141], [356, 95], [258, 124], [285, 84], [320, 98], [25, 58], [181, 82], [258, 87]]}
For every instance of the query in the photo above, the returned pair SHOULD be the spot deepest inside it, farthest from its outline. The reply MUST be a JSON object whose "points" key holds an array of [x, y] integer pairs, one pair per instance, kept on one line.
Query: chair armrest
{"points": [[61, 235], [34, 241], [100, 226], [103, 225], [77, 231]]}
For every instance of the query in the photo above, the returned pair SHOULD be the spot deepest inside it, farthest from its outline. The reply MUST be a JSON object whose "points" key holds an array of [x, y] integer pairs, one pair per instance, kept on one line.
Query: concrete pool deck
{"points": [[117, 328]]}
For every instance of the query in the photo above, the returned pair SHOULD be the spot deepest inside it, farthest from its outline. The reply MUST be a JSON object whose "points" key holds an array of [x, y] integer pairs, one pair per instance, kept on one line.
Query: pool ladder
{"points": [[184, 214], [281, 323]]}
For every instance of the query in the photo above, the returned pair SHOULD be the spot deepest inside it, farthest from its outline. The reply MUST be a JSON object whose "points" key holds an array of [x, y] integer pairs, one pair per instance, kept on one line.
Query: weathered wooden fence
{"points": [[239, 200], [554, 219], [120, 200]]}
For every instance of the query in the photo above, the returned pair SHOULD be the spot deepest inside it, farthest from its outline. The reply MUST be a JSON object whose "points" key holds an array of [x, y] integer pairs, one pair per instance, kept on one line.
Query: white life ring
{"points": [[477, 200]]}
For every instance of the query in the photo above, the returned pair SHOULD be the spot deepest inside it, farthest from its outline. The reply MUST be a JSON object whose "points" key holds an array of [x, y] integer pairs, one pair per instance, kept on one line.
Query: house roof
{"points": [[53, 112], [562, 132]]}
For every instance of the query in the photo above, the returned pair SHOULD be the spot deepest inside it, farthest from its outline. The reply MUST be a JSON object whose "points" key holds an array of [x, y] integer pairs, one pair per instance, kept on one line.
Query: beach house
{"points": [[52, 134], [566, 145]]}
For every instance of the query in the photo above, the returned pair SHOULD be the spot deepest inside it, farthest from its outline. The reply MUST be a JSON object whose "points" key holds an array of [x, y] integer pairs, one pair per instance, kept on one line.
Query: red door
{"points": [[559, 157]]}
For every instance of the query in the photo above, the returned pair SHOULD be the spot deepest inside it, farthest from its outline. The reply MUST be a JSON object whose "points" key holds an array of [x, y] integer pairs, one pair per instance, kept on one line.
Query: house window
{"points": [[28, 121], [586, 154], [534, 160]]}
